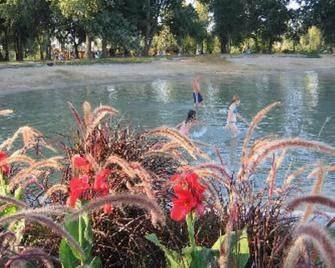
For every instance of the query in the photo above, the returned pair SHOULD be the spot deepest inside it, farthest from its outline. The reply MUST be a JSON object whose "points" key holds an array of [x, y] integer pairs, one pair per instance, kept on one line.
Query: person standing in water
{"points": [[196, 91], [186, 125], [232, 116]]}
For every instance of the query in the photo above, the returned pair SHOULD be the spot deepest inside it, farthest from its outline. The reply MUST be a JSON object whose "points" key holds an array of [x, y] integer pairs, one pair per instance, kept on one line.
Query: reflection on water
{"points": [[307, 101]]}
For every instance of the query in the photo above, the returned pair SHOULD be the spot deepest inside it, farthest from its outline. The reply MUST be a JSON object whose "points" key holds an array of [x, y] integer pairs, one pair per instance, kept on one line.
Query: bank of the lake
{"points": [[40, 76]]}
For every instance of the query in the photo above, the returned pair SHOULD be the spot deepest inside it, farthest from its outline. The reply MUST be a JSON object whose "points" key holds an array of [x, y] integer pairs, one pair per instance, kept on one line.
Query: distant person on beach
{"points": [[196, 91], [232, 116], [186, 125]]}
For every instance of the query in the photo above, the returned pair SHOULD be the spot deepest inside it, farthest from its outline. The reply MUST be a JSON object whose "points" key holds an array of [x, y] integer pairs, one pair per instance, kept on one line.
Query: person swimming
{"points": [[197, 97], [186, 125], [232, 116]]}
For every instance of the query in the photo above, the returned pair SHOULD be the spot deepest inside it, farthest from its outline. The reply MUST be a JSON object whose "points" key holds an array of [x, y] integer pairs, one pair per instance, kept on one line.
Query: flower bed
{"points": [[126, 199]]}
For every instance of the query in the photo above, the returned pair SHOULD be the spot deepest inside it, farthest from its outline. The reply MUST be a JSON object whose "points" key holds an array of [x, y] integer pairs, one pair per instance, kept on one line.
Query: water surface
{"points": [[307, 98]]}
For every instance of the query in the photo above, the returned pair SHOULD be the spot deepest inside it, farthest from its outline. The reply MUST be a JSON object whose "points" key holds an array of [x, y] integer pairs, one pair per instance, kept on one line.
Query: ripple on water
{"points": [[307, 101]]}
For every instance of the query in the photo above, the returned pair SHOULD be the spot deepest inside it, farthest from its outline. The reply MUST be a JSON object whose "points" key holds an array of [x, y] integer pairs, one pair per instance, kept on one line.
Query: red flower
{"points": [[101, 186], [4, 167], [187, 181], [183, 204], [81, 163], [77, 187], [100, 182], [108, 208], [189, 195]]}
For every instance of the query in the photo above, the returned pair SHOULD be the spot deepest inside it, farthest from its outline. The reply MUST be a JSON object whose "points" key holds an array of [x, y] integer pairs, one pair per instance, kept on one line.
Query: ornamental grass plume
{"points": [[53, 189], [288, 180], [141, 201], [311, 199], [41, 219], [6, 112], [30, 137], [321, 241], [98, 114], [22, 258], [125, 165], [14, 158], [10, 200], [35, 170], [252, 126], [281, 144], [214, 171], [180, 139], [271, 179], [318, 185]]}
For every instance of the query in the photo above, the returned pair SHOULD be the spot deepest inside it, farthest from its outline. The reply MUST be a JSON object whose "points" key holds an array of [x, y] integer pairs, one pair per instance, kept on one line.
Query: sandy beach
{"points": [[42, 76]]}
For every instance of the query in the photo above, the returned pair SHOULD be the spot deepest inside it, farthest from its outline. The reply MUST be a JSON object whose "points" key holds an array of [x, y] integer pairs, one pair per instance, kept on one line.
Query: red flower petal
{"points": [[100, 182], [81, 163], [178, 213], [193, 182], [108, 208], [77, 187], [182, 205], [4, 168]]}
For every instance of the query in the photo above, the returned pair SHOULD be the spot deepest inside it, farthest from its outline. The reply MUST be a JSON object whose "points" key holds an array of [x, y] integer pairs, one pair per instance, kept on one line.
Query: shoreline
{"points": [[41, 76]]}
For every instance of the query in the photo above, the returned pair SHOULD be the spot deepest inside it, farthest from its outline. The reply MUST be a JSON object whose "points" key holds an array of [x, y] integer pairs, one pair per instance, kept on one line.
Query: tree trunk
{"points": [[47, 47], [148, 30], [223, 42], [6, 46], [104, 48], [269, 49], [88, 47], [256, 43], [202, 47], [41, 52], [112, 52], [19, 47], [76, 51]]}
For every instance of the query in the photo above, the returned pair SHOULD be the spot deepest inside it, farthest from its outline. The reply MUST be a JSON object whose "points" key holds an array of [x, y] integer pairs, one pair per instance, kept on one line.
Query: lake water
{"points": [[308, 100]]}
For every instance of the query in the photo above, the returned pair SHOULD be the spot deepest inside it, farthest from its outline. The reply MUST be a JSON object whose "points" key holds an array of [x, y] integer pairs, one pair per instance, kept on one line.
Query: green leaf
{"points": [[190, 220], [173, 258], [87, 239], [239, 247], [96, 262], [219, 242], [73, 228], [18, 194], [66, 256]]}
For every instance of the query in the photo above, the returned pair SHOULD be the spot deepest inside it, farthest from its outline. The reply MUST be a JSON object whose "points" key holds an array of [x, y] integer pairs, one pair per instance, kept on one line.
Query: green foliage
{"points": [[239, 248], [322, 14], [81, 230], [194, 256]]}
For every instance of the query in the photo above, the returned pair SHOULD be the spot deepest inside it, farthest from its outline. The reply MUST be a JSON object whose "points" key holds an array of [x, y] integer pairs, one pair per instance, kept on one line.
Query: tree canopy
{"points": [[27, 27]]}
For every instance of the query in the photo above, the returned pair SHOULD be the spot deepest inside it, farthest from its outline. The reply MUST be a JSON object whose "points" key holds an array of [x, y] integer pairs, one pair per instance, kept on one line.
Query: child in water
{"points": [[232, 116], [186, 125], [196, 91]]}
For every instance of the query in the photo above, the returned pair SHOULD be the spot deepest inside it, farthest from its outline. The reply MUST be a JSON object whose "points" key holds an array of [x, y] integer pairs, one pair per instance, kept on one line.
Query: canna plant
{"points": [[187, 205]]}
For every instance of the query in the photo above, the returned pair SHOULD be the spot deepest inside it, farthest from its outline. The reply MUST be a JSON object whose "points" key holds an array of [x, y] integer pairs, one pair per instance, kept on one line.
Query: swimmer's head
{"points": [[190, 116], [236, 99]]}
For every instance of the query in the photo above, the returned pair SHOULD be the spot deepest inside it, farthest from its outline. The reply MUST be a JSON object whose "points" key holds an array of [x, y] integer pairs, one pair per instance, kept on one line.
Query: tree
{"points": [[267, 20], [21, 20], [321, 13], [295, 27], [229, 17], [184, 23], [82, 12]]}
